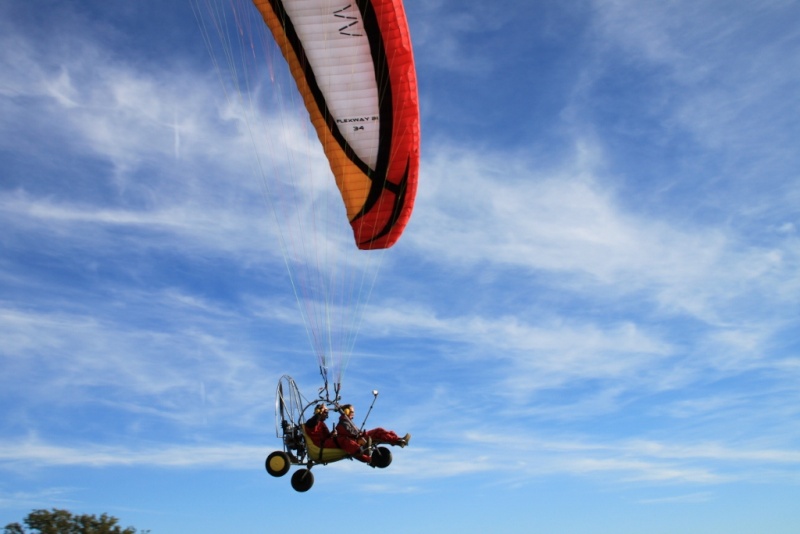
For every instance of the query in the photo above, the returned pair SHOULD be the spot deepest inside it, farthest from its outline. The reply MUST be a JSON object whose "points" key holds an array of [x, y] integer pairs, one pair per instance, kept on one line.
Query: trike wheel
{"points": [[302, 480], [381, 457], [278, 463]]}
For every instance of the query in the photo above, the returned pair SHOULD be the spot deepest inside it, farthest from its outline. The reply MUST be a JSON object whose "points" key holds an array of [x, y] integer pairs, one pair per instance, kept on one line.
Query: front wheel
{"points": [[278, 463], [302, 480]]}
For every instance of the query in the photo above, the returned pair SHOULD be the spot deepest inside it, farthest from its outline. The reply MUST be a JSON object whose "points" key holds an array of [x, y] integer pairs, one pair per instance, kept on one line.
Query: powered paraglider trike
{"points": [[298, 448]]}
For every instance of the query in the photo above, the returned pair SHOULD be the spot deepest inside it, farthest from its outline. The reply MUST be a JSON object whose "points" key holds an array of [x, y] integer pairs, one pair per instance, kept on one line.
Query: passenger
{"points": [[357, 443]]}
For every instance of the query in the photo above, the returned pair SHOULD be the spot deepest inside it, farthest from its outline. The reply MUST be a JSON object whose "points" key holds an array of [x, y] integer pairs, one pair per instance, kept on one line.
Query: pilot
{"points": [[317, 430]]}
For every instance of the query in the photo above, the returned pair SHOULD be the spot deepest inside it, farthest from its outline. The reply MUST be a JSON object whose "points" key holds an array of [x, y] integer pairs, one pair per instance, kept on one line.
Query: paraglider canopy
{"points": [[354, 67]]}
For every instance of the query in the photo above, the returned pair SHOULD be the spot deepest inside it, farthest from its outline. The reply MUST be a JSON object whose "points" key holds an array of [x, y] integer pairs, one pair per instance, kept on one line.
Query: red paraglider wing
{"points": [[353, 64]]}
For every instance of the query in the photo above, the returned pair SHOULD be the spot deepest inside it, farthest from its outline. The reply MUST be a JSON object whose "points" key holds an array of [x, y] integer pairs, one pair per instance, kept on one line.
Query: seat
{"points": [[328, 454]]}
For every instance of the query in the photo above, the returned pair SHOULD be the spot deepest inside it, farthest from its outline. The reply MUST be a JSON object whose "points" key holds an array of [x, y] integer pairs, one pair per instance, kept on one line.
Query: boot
{"points": [[404, 440]]}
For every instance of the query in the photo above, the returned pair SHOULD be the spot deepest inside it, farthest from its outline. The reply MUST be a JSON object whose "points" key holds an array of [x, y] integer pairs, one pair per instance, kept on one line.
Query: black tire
{"points": [[381, 457], [302, 480], [278, 464]]}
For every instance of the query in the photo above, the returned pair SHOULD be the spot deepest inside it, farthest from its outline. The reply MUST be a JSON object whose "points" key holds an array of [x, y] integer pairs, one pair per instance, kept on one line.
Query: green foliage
{"points": [[57, 521]]}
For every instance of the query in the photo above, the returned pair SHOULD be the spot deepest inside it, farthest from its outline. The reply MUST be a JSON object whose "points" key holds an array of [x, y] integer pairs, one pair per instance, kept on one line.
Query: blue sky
{"points": [[590, 324]]}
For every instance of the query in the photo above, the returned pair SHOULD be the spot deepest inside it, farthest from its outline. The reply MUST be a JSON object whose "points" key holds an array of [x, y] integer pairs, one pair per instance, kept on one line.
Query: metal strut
{"points": [[325, 394], [374, 398]]}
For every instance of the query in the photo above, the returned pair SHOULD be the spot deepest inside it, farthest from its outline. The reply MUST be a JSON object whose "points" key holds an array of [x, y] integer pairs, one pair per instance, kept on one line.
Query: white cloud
{"points": [[722, 84], [36, 499], [187, 371], [35, 453], [483, 209], [519, 454]]}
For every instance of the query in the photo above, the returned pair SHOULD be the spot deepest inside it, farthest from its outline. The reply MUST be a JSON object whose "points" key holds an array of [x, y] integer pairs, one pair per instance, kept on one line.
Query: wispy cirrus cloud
{"points": [[634, 461], [569, 224], [36, 453]]}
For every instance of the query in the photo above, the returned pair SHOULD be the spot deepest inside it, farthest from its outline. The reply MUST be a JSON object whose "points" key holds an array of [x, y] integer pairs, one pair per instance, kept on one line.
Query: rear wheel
{"points": [[302, 480], [381, 457], [278, 463]]}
